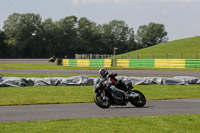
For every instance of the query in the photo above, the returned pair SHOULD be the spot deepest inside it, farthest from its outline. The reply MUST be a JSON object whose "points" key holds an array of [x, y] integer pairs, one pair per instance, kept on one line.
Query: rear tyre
{"points": [[139, 101], [98, 99]]}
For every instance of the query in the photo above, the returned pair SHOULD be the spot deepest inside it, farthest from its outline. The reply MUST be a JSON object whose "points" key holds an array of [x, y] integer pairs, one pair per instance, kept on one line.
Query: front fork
{"points": [[104, 94]]}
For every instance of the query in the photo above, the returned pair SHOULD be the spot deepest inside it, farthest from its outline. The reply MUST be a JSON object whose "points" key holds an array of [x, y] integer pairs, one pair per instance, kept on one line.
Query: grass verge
{"points": [[38, 75], [146, 124], [35, 75], [83, 94]]}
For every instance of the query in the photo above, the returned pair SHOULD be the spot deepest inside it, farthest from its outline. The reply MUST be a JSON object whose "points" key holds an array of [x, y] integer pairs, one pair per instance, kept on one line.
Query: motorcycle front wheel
{"points": [[98, 99], [138, 101]]}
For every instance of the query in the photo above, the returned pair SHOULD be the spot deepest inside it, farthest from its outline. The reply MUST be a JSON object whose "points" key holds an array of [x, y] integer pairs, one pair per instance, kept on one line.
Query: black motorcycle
{"points": [[117, 94], [52, 59]]}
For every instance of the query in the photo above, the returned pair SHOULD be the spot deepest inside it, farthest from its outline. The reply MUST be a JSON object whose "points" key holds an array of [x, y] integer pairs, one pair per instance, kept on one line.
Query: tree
{"points": [[49, 34], [118, 34], [151, 34], [89, 37], [3, 46], [26, 36], [66, 36], [22, 33]]}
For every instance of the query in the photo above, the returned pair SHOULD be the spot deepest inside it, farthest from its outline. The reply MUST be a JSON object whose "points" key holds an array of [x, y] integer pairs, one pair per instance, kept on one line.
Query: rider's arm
{"points": [[103, 79], [112, 75]]}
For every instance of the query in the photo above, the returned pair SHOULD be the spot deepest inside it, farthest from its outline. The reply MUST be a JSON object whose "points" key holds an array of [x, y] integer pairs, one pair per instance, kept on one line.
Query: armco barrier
{"points": [[72, 62], [107, 62], [87, 62], [141, 63], [159, 63], [192, 63], [96, 63], [131, 63], [169, 63], [123, 63], [65, 62], [83, 63]]}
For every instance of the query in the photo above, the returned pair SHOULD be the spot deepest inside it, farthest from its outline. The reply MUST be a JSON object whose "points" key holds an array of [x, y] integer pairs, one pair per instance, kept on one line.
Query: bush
{"points": [[59, 61]]}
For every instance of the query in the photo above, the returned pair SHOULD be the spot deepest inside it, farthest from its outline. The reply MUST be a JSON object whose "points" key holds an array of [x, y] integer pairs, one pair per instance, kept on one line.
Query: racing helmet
{"points": [[103, 72]]}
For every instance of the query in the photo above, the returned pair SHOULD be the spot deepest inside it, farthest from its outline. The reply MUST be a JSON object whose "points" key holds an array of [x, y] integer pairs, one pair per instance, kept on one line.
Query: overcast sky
{"points": [[180, 17]]}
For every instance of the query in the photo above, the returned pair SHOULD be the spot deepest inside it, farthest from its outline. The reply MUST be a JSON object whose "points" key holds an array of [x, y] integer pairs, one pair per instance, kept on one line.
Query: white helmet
{"points": [[103, 72]]}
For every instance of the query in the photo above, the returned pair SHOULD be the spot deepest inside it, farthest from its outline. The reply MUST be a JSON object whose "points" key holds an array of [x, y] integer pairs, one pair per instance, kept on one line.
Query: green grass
{"points": [[39, 75], [145, 124], [188, 47], [35, 75], [83, 94], [45, 95], [31, 66], [43, 66], [156, 92]]}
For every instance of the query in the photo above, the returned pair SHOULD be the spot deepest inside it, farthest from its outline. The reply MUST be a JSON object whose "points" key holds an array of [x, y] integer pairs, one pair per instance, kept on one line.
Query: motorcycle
{"points": [[52, 59], [117, 94]]}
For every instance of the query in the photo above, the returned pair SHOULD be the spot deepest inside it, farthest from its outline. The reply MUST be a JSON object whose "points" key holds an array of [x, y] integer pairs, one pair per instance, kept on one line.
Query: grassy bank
{"points": [[188, 47], [148, 124], [83, 94]]}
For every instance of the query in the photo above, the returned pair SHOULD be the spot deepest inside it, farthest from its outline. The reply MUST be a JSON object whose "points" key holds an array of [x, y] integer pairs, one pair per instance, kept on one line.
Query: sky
{"points": [[181, 18]]}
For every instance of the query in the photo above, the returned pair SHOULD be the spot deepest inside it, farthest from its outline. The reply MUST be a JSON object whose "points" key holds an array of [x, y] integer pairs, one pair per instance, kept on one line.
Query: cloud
{"points": [[86, 2], [75, 2], [175, 0], [176, 5]]}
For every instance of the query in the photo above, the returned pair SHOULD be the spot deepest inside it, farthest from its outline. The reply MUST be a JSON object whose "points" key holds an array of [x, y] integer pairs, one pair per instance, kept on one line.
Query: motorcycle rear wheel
{"points": [[100, 102], [139, 101]]}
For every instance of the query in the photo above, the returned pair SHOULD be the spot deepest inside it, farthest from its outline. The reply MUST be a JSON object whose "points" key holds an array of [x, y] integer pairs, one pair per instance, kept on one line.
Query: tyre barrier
{"points": [[85, 80]]}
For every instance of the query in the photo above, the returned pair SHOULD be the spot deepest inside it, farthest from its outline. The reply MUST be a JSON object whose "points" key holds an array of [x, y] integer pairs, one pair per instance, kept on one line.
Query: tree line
{"points": [[27, 36]]}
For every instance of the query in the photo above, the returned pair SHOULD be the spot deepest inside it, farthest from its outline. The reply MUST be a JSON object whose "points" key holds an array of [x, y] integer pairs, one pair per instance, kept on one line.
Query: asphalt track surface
{"points": [[86, 110], [142, 73]]}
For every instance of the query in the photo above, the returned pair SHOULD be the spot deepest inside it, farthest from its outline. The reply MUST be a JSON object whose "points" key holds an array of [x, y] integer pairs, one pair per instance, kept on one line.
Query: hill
{"points": [[188, 48]]}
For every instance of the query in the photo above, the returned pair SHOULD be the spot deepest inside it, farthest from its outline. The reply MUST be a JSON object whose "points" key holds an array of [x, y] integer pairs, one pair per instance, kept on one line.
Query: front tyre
{"points": [[138, 101], [98, 99]]}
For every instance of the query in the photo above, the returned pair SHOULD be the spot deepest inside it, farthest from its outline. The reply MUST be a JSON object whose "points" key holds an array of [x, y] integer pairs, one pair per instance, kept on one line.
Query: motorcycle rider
{"points": [[115, 92], [52, 59], [104, 75]]}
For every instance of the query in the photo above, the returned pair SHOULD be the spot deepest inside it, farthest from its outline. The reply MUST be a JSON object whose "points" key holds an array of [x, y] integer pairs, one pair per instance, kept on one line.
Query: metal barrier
{"points": [[158, 63], [87, 62], [133, 63]]}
